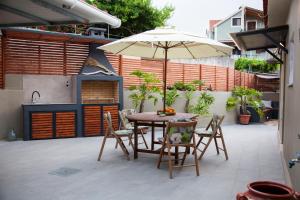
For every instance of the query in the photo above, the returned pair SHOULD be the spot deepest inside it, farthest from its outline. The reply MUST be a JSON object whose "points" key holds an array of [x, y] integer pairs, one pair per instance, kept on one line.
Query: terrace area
{"points": [[30, 169]]}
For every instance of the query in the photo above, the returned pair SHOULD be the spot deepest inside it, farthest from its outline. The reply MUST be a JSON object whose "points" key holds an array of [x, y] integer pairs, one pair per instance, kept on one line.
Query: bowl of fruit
{"points": [[167, 112]]}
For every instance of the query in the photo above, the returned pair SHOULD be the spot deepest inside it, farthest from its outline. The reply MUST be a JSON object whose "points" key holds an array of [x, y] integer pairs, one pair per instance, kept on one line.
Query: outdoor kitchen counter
{"points": [[49, 121]]}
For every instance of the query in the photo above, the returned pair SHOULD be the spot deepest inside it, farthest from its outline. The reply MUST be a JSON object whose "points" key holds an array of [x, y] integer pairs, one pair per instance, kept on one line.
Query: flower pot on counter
{"points": [[262, 190], [245, 119]]}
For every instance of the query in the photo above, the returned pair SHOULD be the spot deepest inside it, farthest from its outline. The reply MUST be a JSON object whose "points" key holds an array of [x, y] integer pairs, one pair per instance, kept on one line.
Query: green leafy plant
{"points": [[244, 97], [204, 101], [145, 91], [189, 89], [171, 96], [254, 65]]}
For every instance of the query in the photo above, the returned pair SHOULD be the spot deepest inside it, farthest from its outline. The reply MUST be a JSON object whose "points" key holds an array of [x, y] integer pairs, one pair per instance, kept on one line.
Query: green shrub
{"points": [[254, 65]]}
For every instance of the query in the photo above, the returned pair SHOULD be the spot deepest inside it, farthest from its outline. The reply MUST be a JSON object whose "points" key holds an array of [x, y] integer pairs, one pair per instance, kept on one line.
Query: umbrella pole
{"points": [[165, 78]]}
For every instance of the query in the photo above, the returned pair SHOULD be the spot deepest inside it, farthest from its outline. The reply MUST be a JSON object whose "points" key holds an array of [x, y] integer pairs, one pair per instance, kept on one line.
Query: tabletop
{"points": [[153, 117]]}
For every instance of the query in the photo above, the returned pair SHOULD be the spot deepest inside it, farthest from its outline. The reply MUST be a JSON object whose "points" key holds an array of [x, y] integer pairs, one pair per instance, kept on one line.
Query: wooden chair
{"points": [[179, 134], [118, 135], [213, 131], [126, 125]]}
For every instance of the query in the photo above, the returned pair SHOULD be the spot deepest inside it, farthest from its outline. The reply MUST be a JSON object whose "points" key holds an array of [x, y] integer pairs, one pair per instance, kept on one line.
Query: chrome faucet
{"points": [[34, 100], [293, 161]]}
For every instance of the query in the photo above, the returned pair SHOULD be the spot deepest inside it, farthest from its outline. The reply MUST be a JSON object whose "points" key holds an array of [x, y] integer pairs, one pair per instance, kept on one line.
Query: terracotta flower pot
{"points": [[262, 190], [244, 119]]}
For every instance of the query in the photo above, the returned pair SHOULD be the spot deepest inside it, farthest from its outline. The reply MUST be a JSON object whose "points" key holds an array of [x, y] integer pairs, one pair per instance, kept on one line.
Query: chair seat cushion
{"points": [[123, 132], [203, 132]]}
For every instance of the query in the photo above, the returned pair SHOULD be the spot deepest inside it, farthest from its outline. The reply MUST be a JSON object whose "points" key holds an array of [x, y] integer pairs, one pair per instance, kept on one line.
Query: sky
{"points": [[193, 15]]}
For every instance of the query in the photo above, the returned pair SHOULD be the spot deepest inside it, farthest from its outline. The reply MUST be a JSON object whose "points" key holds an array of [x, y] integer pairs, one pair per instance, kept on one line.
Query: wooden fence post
{"points": [[120, 65], [227, 78], [215, 77], [200, 75]]}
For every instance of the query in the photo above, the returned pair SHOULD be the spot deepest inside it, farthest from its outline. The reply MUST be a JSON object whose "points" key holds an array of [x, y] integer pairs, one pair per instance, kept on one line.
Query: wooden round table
{"points": [[153, 120]]}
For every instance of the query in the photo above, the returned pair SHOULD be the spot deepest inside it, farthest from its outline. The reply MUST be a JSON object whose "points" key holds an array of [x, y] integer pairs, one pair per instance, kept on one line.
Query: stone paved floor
{"points": [[28, 169]]}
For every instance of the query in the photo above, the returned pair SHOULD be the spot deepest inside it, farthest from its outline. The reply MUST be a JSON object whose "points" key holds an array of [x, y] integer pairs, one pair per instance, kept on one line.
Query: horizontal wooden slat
{"points": [[41, 125], [65, 124], [92, 120]]}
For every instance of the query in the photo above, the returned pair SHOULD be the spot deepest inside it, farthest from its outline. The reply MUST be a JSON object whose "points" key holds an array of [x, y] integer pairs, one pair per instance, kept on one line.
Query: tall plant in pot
{"points": [[147, 90], [243, 97]]}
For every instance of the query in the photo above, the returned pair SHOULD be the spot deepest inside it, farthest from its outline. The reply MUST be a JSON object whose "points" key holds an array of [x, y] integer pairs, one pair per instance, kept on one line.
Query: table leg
{"points": [[135, 130], [152, 136], [176, 155]]}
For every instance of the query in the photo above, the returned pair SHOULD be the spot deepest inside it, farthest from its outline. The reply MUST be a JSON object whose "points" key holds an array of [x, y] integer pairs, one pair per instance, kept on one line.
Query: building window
{"points": [[236, 21]]}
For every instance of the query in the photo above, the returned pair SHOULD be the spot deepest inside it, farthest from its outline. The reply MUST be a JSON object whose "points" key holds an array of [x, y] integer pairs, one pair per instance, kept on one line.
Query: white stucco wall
{"points": [[218, 107]]}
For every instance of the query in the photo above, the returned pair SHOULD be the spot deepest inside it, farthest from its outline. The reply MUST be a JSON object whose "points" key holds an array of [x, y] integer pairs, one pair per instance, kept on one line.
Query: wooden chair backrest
{"points": [[178, 126], [123, 119], [215, 122], [107, 118]]}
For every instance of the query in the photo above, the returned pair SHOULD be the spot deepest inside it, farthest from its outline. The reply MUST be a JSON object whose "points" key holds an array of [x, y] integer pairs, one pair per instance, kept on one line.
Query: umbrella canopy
{"points": [[167, 43]]}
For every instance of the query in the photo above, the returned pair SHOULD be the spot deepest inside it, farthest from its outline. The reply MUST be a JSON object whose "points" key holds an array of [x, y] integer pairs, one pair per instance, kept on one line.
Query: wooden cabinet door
{"points": [[65, 124], [42, 125], [92, 120]]}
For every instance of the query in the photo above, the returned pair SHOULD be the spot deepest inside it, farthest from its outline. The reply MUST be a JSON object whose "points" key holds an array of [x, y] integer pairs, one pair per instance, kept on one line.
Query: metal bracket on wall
{"points": [[274, 56]]}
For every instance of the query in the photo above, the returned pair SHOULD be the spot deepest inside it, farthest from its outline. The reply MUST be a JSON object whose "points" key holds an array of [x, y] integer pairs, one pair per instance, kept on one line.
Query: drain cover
{"points": [[65, 171]]}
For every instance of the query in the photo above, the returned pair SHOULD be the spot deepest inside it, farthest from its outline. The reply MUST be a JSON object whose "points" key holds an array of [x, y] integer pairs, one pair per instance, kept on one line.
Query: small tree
{"points": [[145, 91], [189, 89], [171, 96], [204, 101], [244, 96]]}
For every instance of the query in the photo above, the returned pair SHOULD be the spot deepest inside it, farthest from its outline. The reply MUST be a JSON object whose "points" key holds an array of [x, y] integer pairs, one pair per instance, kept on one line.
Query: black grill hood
{"points": [[97, 63]]}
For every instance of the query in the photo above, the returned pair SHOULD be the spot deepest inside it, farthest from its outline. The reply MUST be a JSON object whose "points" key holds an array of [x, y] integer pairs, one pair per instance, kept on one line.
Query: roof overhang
{"points": [[262, 39], [52, 12]]}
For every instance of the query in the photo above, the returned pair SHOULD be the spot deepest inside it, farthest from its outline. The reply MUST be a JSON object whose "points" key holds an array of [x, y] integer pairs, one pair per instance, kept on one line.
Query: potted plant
{"points": [[243, 97]]}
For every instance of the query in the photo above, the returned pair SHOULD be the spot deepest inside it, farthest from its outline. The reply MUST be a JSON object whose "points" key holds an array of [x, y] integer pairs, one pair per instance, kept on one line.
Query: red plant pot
{"points": [[262, 190], [245, 119]]}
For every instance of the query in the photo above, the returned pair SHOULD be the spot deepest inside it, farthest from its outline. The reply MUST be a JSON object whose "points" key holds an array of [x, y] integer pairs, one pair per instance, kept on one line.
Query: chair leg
{"points": [[102, 148], [130, 141], [205, 148], [184, 155], [170, 161], [224, 146], [195, 156], [116, 146], [217, 147], [123, 147], [161, 154], [142, 133], [197, 145]]}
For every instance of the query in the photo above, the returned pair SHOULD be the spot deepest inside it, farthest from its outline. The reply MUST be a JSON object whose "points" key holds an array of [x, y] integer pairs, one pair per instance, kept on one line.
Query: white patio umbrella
{"points": [[167, 43]]}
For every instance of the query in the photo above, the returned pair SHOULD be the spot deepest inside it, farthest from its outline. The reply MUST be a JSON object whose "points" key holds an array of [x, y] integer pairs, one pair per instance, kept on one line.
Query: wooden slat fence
{"points": [[25, 56]]}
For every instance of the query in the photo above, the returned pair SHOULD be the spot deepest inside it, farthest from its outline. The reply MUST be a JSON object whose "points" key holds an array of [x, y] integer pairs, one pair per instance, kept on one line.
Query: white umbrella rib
{"points": [[125, 48]]}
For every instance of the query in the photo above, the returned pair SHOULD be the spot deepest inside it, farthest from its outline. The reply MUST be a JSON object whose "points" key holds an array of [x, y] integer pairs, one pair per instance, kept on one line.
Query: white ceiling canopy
{"points": [[52, 12]]}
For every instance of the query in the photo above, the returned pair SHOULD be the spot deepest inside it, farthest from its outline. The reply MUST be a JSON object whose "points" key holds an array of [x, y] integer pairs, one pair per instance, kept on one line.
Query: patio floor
{"points": [[29, 169]]}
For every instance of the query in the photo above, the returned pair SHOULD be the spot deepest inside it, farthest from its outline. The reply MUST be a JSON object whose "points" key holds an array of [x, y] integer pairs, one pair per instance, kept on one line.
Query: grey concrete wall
{"points": [[218, 106], [291, 112], [52, 88], [10, 112], [18, 90]]}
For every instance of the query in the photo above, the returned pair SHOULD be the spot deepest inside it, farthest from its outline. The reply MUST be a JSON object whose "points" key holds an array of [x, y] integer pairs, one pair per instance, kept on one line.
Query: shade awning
{"points": [[268, 76], [262, 39], [52, 12]]}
